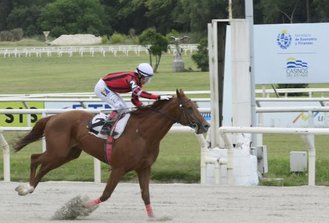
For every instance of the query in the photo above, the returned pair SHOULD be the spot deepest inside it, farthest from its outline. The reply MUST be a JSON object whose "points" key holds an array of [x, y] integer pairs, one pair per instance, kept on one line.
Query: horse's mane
{"points": [[154, 106]]}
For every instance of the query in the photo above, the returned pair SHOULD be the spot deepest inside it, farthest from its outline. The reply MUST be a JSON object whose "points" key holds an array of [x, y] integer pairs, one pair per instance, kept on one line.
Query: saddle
{"points": [[96, 123]]}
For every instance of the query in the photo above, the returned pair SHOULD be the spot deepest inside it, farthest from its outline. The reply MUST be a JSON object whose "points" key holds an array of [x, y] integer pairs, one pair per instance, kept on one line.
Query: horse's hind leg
{"points": [[25, 189], [48, 162], [34, 164]]}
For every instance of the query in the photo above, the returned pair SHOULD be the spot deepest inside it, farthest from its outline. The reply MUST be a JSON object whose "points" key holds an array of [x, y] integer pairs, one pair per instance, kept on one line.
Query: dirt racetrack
{"points": [[171, 203]]}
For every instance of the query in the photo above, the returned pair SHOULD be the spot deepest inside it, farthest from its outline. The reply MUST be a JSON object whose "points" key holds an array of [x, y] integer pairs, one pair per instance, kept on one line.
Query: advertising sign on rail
{"points": [[19, 120], [291, 53], [295, 119]]}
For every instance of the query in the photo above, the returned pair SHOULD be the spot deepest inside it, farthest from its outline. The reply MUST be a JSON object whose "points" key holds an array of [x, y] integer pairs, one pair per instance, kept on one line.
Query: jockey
{"points": [[108, 87]]}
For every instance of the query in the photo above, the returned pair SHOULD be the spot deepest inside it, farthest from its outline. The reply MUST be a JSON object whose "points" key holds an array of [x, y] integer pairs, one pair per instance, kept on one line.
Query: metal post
{"points": [[213, 87]]}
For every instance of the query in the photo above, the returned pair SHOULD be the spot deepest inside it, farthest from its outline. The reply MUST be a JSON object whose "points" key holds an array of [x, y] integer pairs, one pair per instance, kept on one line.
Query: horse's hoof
{"points": [[23, 190]]}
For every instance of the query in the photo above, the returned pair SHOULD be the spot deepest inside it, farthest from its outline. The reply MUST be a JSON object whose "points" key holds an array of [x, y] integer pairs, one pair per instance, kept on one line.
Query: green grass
{"points": [[279, 147], [79, 74], [22, 43], [179, 158]]}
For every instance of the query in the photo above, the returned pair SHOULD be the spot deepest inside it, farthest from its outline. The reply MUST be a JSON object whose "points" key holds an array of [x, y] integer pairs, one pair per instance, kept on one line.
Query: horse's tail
{"points": [[35, 134]]}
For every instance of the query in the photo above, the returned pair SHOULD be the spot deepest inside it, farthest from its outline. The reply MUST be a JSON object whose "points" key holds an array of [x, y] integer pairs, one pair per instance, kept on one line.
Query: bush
{"points": [[293, 86], [105, 40], [12, 35], [201, 56], [6, 36], [17, 34], [118, 38]]}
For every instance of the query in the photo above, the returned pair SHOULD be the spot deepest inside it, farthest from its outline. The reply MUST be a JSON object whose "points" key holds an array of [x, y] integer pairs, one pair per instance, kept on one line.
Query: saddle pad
{"points": [[98, 121], [120, 125]]}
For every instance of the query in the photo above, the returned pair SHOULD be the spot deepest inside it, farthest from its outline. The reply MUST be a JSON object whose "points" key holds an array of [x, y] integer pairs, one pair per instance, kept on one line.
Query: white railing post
{"points": [[44, 146], [311, 159], [230, 156], [203, 153], [6, 158], [97, 171]]}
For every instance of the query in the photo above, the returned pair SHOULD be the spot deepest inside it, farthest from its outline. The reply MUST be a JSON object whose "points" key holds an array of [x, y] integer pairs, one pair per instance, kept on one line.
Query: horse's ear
{"points": [[180, 93]]}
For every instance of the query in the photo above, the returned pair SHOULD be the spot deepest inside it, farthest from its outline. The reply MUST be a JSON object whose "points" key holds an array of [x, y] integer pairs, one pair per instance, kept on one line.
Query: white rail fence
{"points": [[308, 133], [87, 50], [267, 92]]}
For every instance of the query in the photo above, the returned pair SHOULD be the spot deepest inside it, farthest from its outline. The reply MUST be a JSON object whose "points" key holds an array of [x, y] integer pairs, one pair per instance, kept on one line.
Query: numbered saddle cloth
{"points": [[98, 121]]}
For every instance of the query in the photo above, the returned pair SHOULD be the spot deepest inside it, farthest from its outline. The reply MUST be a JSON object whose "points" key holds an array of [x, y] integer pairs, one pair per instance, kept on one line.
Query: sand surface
{"points": [[171, 203]]}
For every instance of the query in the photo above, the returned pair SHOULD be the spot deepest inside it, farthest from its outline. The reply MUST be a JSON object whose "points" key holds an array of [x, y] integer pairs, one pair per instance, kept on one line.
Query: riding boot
{"points": [[106, 129]]}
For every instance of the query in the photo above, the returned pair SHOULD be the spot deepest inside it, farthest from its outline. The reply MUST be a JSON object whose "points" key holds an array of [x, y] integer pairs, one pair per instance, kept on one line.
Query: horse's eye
{"points": [[190, 110]]}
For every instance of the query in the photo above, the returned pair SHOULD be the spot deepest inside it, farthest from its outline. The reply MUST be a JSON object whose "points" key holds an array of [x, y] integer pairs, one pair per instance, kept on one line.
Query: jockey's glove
{"points": [[165, 97]]}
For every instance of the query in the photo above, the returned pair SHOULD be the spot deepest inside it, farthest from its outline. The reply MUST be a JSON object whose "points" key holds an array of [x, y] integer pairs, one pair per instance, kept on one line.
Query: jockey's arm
{"points": [[135, 100], [138, 92]]}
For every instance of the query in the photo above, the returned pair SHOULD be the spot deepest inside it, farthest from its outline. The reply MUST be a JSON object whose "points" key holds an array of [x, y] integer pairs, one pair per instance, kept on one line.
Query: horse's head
{"points": [[189, 114]]}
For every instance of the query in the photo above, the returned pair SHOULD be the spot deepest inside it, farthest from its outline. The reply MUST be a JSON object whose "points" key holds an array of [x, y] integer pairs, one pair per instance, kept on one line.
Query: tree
{"points": [[282, 11], [322, 7], [21, 14], [71, 17], [195, 14], [160, 14], [25, 17], [201, 56], [131, 14], [5, 8], [155, 43]]}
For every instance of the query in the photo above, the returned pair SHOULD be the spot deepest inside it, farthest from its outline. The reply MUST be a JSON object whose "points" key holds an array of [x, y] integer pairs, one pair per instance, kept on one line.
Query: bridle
{"points": [[187, 114]]}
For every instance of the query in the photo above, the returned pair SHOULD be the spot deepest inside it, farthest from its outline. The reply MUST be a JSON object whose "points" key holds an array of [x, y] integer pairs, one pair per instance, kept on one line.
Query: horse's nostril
{"points": [[206, 126]]}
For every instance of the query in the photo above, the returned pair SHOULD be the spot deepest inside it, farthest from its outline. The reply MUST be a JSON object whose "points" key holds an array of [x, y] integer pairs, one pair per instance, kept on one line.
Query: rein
{"points": [[164, 114]]}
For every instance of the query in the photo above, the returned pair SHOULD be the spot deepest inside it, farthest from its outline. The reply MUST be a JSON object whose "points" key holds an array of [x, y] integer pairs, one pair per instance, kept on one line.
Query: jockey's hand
{"points": [[165, 97]]}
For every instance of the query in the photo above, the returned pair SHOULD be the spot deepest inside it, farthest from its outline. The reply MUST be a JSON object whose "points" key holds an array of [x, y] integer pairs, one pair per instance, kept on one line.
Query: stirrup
{"points": [[106, 129]]}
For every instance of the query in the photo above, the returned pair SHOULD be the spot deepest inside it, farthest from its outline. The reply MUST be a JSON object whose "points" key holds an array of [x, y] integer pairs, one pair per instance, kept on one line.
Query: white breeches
{"points": [[112, 98]]}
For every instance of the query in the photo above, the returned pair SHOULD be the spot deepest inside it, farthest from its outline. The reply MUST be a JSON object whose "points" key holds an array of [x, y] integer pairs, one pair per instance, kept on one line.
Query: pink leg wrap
{"points": [[94, 202], [149, 210]]}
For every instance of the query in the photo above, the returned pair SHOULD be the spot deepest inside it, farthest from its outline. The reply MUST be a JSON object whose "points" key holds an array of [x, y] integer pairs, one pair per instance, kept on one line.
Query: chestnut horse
{"points": [[66, 136]]}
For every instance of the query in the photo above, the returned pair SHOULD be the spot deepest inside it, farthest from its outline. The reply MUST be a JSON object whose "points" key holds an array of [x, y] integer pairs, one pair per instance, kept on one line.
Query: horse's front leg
{"points": [[144, 180], [112, 182]]}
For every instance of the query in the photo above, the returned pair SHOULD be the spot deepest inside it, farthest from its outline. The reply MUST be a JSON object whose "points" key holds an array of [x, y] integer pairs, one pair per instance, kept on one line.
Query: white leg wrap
{"points": [[24, 189]]}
